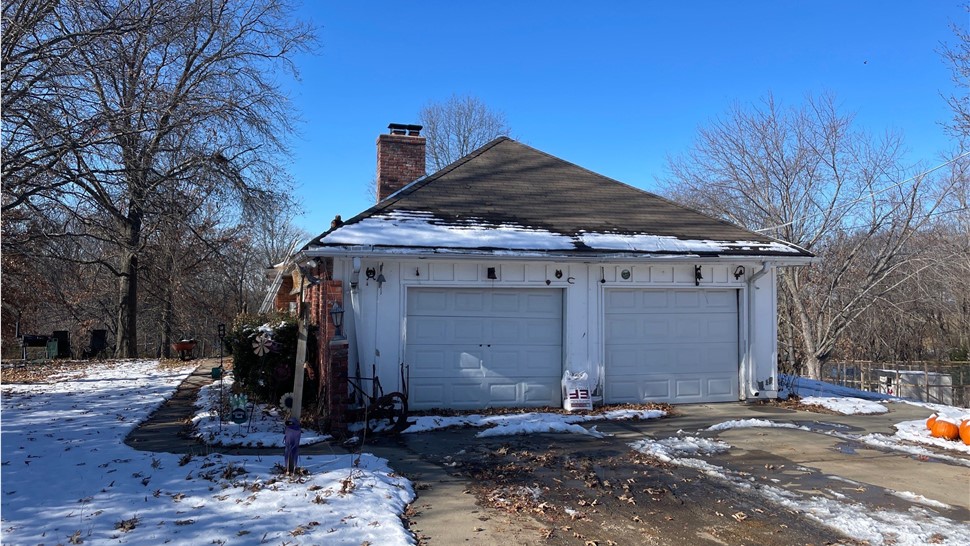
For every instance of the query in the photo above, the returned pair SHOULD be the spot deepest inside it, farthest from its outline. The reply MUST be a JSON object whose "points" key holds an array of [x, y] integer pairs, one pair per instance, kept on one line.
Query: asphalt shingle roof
{"points": [[508, 184]]}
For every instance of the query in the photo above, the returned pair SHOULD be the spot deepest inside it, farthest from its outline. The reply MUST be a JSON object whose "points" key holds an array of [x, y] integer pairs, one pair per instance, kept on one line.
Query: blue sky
{"points": [[614, 87]]}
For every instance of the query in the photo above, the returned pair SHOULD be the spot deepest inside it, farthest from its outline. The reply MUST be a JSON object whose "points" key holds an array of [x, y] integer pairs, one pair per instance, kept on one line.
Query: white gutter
{"points": [[533, 255], [765, 268]]}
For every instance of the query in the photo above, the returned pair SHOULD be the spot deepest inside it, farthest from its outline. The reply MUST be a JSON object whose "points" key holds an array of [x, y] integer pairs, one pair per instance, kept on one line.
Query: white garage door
{"points": [[677, 346], [476, 348]]}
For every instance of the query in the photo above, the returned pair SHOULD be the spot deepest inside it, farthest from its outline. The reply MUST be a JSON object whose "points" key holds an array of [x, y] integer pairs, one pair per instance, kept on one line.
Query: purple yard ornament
{"points": [[291, 444]]}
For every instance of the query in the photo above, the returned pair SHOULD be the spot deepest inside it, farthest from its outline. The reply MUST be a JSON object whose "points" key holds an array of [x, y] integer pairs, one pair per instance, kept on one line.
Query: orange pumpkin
{"points": [[965, 431], [946, 429], [930, 421]]}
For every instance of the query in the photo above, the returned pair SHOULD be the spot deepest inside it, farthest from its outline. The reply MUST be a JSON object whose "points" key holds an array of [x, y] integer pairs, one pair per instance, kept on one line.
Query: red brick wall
{"points": [[332, 357], [283, 298], [400, 161]]}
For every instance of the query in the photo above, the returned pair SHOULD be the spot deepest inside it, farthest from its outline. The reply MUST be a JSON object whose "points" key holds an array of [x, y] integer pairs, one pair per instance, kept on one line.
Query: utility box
{"points": [[920, 386]]}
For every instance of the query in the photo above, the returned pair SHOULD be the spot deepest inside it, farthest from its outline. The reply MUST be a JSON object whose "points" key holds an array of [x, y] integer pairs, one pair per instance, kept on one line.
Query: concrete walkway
{"points": [[169, 428]]}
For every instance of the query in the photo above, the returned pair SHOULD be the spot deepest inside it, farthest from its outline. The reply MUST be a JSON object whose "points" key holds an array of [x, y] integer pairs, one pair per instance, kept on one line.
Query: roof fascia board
{"points": [[448, 254]]}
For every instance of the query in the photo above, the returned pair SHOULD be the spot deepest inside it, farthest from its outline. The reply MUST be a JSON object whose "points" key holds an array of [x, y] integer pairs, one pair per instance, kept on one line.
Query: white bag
{"points": [[576, 395]]}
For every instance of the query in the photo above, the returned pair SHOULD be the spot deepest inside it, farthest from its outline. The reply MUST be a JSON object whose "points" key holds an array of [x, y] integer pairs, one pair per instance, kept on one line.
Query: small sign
{"points": [[578, 399], [238, 415]]}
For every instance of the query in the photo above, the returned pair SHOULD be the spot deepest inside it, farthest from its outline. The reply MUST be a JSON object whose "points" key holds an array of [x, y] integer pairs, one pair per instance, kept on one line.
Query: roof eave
{"points": [[777, 259]]}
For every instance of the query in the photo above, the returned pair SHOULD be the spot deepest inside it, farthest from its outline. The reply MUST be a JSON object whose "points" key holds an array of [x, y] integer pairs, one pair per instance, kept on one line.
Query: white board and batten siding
{"points": [[475, 338]]}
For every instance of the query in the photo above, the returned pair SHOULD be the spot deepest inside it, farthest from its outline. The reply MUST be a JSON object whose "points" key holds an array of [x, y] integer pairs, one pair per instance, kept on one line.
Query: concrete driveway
{"points": [[467, 487]]}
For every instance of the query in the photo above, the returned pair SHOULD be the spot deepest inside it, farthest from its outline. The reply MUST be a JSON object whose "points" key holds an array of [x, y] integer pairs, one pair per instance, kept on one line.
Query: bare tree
{"points": [[458, 126], [957, 56], [807, 176], [174, 94]]}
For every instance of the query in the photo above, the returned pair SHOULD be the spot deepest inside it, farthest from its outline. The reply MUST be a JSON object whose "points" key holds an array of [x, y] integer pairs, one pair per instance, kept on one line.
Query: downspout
{"points": [[758, 274], [355, 303], [754, 385]]}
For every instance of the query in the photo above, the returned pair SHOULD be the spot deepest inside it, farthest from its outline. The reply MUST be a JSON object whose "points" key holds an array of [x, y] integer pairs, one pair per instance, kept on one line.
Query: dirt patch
{"points": [[588, 492], [43, 372], [46, 371]]}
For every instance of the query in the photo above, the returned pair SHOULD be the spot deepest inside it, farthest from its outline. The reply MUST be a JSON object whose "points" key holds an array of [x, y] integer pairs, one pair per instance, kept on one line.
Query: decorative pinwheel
{"points": [[263, 344]]}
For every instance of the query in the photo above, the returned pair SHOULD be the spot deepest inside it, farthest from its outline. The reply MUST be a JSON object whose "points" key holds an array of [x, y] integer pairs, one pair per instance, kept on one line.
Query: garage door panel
{"points": [[466, 330], [428, 330], [539, 304], [469, 302], [687, 299], [658, 299], [721, 329], [538, 393], [484, 347], [523, 362], [427, 301], [506, 303], [721, 299], [619, 329], [688, 387], [722, 387], [637, 389], [460, 394], [428, 391], [542, 332], [503, 332], [443, 360], [683, 347], [685, 330], [503, 394], [621, 300]]}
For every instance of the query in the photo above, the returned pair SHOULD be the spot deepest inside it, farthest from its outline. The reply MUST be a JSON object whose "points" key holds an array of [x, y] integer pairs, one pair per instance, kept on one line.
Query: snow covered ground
{"points": [[529, 423], [849, 401], [67, 476], [845, 406]]}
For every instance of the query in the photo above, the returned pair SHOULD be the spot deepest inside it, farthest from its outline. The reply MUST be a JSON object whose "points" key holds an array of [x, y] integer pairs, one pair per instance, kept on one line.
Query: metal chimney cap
{"points": [[405, 129]]}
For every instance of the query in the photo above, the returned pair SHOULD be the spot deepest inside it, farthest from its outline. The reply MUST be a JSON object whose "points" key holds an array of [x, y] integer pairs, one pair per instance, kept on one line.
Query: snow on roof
{"points": [[658, 243], [413, 228], [404, 228]]}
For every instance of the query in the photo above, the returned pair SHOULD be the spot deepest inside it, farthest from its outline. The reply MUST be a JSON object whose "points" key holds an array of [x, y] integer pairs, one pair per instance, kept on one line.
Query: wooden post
{"points": [[300, 355]]}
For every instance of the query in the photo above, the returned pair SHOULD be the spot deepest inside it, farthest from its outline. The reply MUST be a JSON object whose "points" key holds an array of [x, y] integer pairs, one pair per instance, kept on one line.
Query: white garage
{"points": [[473, 348], [671, 345]]}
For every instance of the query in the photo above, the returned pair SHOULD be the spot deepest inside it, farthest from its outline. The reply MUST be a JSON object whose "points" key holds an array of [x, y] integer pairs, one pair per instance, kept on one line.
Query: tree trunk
{"points": [[127, 318], [813, 367], [167, 313]]}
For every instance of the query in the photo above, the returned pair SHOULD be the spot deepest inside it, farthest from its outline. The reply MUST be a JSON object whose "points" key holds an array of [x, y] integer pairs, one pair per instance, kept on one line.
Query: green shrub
{"points": [[267, 377]]}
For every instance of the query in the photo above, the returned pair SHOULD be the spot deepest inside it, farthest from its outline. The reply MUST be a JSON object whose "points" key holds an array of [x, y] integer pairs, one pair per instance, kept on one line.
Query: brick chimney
{"points": [[400, 158]]}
